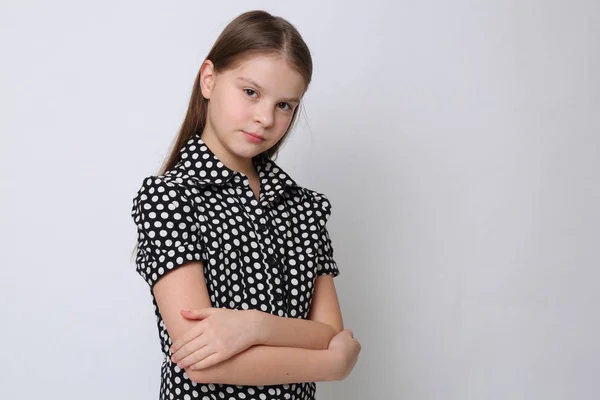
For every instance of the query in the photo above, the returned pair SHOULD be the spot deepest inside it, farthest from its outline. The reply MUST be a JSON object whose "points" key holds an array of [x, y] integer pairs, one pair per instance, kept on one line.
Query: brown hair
{"points": [[251, 33]]}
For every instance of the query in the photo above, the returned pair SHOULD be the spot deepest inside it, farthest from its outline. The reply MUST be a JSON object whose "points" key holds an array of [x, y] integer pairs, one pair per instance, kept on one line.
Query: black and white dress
{"points": [[260, 254]]}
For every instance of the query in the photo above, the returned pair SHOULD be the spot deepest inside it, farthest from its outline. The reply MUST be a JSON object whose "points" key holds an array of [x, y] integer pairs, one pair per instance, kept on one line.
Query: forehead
{"points": [[272, 73]]}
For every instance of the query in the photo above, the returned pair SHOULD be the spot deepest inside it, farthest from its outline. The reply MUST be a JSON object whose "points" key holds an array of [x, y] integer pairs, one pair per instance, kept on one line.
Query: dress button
{"points": [[278, 296], [270, 260], [263, 228]]}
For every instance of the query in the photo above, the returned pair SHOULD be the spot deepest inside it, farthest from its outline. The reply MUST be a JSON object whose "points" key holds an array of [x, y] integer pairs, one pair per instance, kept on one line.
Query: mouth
{"points": [[254, 136]]}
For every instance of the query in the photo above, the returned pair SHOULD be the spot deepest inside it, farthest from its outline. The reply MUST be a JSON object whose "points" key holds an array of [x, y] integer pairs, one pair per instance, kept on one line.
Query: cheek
{"points": [[227, 107], [283, 121], [236, 110]]}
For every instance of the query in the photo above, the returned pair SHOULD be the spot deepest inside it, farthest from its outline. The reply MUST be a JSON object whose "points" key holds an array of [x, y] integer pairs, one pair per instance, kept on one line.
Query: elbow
{"points": [[216, 374], [199, 376], [193, 375]]}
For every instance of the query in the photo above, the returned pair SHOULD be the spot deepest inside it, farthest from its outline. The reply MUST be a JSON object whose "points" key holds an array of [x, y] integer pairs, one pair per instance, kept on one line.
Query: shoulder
{"points": [[318, 203], [167, 226], [166, 193], [317, 198]]}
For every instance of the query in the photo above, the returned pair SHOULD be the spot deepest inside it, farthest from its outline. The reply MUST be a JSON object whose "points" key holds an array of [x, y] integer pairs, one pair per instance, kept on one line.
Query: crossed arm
{"points": [[288, 350]]}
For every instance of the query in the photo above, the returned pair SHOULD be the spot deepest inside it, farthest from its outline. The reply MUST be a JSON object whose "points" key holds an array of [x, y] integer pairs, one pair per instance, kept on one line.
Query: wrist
{"points": [[257, 326]]}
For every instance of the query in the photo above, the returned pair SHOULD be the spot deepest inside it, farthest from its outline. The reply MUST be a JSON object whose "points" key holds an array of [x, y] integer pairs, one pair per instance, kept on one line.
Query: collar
{"points": [[200, 165]]}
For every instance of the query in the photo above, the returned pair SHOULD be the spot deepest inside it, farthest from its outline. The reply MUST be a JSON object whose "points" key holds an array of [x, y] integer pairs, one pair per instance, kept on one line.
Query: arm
{"points": [[323, 323], [266, 365], [185, 288]]}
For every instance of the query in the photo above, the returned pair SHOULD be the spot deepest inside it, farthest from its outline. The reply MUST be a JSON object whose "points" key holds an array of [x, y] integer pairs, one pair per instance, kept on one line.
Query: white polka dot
{"points": [[195, 212]]}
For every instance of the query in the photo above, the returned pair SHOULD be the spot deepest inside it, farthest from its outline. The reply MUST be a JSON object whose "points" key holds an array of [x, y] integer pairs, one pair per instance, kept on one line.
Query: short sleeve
{"points": [[326, 264], [167, 227]]}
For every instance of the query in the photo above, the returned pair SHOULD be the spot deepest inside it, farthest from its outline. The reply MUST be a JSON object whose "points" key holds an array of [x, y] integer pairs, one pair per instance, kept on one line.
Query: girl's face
{"points": [[250, 107]]}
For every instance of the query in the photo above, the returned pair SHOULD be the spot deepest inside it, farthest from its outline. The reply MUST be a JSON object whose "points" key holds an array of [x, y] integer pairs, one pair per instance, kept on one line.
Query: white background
{"points": [[459, 143]]}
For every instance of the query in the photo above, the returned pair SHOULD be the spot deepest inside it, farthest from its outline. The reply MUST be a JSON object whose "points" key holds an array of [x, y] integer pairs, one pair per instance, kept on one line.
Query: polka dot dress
{"points": [[260, 254]]}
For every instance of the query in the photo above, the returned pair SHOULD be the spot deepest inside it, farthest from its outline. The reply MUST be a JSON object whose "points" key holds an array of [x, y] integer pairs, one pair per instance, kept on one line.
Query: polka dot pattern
{"points": [[262, 254]]}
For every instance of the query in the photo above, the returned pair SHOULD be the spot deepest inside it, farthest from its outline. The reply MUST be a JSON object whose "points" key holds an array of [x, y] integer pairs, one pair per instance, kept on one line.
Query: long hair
{"points": [[251, 33]]}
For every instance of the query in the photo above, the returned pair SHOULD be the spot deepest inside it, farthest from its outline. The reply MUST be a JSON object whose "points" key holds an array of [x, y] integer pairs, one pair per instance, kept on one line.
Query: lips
{"points": [[256, 135]]}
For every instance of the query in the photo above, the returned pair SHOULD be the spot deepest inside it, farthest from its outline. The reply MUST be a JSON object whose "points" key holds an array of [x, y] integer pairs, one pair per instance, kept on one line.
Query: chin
{"points": [[246, 150]]}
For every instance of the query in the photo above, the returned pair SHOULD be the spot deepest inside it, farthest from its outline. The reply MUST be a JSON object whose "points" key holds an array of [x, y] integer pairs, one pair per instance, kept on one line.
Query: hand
{"points": [[221, 334], [345, 349]]}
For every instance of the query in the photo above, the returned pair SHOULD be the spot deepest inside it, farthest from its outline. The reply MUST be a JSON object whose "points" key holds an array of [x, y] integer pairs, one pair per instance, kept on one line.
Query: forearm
{"points": [[293, 332], [268, 365]]}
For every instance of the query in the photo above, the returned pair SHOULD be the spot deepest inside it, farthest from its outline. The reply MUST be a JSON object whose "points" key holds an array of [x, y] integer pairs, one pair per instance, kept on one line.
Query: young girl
{"points": [[237, 254]]}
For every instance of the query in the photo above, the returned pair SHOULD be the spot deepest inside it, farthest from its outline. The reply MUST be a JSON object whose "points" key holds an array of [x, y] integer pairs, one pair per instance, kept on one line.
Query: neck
{"points": [[231, 161]]}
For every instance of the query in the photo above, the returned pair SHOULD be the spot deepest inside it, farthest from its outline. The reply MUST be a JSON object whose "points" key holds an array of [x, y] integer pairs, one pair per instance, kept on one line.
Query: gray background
{"points": [[457, 141]]}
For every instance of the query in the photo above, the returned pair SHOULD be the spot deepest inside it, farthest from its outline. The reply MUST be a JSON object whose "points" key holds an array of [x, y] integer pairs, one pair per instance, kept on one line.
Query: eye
{"points": [[250, 92], [289, 107]]}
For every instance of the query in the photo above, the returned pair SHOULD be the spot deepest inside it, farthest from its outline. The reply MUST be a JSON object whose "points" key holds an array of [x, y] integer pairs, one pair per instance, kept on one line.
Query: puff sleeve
{"points": [[325, 261], [168, 229]]}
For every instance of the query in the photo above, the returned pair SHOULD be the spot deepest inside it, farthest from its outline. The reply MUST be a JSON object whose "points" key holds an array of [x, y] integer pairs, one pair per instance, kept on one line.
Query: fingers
{"points": [[352, 335], [198, 313], [190, 335], [184, 351], [208, 361], [196, 357]]}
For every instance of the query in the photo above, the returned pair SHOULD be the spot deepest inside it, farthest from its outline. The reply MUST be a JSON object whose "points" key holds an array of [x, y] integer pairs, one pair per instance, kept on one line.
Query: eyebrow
{"points": [[250, 81]]}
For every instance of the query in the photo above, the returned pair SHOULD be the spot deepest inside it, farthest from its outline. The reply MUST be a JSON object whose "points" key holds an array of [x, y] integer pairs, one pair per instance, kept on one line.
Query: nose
{"points": [[264, 114]]}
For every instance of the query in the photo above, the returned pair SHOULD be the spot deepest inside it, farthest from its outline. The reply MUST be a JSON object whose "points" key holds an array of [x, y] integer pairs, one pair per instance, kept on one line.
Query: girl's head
{"points": [[252, 81]]}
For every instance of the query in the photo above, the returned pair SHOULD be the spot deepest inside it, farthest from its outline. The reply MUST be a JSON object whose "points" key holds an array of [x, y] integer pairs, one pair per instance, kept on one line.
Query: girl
{"points": [[237, 254]]}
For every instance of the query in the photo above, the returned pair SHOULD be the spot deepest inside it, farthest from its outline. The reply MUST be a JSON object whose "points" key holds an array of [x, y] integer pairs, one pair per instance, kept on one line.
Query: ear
{"points": [[207, 78]]}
